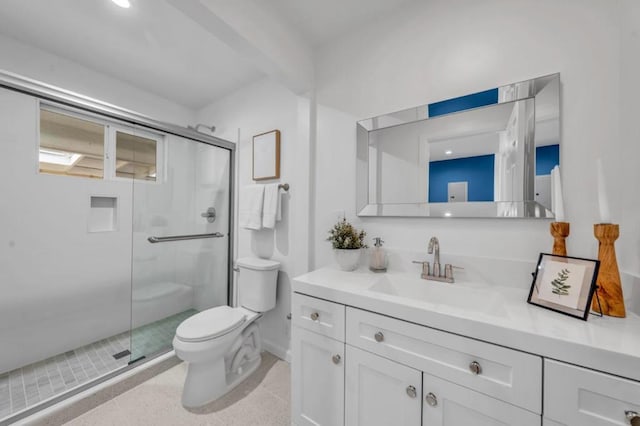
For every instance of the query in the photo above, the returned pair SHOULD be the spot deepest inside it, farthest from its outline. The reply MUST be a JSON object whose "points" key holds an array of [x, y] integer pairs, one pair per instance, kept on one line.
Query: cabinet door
{"points": [[317, 379], [380, 391], [448, 404], [581, 397]]}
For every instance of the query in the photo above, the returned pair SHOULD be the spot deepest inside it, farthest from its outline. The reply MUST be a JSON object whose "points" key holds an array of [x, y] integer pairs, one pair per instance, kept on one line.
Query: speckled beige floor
{"points": [[263, 399]]}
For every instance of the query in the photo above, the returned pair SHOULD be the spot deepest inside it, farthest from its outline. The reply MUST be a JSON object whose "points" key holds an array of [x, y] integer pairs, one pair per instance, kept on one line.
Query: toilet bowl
{"points": [[221, 345]]}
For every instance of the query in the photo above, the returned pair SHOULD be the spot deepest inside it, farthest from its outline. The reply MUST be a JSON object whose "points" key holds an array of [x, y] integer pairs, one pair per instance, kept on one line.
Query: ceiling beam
{"points": [[257, 34]]}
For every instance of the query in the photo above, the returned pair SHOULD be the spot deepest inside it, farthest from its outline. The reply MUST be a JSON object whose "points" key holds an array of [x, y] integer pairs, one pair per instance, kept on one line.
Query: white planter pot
{"points": [[348, 259]]}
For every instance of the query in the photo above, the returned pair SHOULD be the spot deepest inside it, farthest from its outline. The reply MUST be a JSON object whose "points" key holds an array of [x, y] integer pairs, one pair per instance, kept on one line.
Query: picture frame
{"points": [[564, 284], [266, 155]]}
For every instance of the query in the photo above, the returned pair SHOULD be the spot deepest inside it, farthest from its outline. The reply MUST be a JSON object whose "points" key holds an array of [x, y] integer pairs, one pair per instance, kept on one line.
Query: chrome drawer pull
{"points": [[379, 336], [336, 359], [314, 316], [475, 368], [432, 400], [633, 417], [411, 391]]}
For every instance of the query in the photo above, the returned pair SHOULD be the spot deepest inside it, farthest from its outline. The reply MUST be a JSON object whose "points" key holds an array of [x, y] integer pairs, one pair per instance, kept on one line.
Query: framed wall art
{"points": [[564, 284], [266, 155]]}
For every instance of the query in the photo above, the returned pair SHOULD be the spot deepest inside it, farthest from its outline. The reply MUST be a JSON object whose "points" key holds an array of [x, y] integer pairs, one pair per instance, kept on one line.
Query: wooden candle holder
{"points": [[559, 231], [609, 283]]}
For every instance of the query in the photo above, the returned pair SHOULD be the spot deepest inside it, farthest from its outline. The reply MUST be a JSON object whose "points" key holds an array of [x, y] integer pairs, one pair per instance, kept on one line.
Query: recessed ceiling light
{"points": [[122, 3], [448, 152]]}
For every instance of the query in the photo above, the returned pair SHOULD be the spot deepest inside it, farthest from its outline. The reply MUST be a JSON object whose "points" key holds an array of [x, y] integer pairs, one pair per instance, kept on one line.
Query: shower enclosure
{"points": [[114, 229]]}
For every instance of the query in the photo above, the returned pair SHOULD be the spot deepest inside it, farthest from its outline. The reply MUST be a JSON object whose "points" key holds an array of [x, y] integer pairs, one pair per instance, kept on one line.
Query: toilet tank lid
{"points": [[257, 264]]}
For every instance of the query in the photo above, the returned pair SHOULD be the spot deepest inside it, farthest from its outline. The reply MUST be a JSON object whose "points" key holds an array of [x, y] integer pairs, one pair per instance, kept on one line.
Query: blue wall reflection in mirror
{"points": [[547, 157], [478, 172], [474, 100]]}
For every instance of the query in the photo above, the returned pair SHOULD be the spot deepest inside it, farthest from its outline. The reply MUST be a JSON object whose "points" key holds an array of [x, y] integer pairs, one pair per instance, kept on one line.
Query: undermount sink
{"points": [[463, 297]]}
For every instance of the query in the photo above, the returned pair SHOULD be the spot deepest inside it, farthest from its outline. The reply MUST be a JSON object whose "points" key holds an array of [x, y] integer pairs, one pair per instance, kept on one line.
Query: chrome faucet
{"points": [[427, 273], [434, 244]]}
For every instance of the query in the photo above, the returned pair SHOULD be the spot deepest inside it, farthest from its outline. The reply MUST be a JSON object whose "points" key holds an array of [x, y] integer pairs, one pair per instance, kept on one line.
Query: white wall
{"points": [[31, 62], [441, 49], [626, 149], [255, 109]]}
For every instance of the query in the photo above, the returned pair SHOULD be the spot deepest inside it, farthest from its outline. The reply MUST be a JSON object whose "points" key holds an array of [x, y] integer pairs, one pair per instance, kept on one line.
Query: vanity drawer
{"points": [[319, 316], [505, 374], [578, 396]]}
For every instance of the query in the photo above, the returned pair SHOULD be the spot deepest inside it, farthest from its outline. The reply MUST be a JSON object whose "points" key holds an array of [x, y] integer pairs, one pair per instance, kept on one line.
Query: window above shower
{"points": [[73, 144]]}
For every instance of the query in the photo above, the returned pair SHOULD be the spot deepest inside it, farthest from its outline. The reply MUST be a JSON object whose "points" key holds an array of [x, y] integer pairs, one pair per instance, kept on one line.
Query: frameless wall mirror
{"points": [[487, 154]]}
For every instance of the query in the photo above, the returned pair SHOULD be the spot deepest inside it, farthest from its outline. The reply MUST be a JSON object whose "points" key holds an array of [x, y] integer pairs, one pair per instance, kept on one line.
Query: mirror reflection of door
{"points": [[543, 190], [457, 192]]}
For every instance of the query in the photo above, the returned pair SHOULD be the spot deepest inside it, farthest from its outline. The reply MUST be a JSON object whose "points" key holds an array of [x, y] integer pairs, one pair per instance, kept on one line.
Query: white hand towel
{"points": [[272, 206], [251, 203]]}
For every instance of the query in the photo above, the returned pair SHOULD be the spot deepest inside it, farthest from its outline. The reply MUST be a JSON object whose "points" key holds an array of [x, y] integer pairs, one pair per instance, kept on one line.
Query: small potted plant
{"points": [[347, 243]]}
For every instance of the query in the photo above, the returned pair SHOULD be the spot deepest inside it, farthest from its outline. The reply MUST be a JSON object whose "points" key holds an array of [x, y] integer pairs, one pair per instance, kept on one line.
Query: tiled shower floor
{"points": [[27, 386]]}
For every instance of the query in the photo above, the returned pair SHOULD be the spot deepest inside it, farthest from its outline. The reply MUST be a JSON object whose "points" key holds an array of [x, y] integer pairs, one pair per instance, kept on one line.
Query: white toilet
{"points": [[222, 345]]}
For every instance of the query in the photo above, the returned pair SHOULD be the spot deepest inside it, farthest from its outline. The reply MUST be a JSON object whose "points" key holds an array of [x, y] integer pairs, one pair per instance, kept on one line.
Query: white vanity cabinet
{"points": [[471, 355], [578, 396], [354, 367], [317, 362]]}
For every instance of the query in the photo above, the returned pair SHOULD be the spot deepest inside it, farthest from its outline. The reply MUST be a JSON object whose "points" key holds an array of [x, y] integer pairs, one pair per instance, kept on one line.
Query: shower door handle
{"points": [[154, 240], [210, 214]]}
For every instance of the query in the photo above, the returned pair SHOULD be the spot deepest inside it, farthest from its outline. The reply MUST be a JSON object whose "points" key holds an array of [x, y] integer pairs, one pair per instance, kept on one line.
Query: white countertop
{"points": [[607, 344]]}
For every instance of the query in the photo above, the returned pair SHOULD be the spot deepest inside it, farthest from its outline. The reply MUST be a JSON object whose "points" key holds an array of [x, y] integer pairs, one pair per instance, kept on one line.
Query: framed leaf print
{"points": [[564, 284]]}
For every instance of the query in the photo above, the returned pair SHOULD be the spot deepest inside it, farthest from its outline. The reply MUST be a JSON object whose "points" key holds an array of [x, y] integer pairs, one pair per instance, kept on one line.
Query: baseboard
{"points": [[277, 350]]}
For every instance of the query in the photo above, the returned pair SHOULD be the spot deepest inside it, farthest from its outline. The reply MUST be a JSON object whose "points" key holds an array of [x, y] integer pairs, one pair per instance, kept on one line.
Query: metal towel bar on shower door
{"points": [[154, 240]]}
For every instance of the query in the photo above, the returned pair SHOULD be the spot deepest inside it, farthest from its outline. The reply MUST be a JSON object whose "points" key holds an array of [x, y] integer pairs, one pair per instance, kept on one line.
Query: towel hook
{"points": [[284, 186]]}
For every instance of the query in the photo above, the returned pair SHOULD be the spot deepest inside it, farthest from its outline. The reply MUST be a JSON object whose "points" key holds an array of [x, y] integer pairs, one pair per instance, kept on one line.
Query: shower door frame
{"points": [[66, 98]]}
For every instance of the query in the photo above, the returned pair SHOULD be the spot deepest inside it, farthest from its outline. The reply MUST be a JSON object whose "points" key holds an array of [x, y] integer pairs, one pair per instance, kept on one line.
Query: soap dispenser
{"points": [[378, 262]]}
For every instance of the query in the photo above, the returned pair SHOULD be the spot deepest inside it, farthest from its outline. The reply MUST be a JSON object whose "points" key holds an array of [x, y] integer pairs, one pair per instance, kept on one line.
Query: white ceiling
{"points": [[324, 20], [157, 48], [151, 45]]}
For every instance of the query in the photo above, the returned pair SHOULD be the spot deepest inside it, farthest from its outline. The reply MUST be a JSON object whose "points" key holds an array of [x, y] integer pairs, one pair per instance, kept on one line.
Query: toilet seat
{"points": [[210, 324]]}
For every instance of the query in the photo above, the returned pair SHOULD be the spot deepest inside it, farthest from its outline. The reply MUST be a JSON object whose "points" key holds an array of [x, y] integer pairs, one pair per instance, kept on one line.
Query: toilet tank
{"points": [[257, 280]]}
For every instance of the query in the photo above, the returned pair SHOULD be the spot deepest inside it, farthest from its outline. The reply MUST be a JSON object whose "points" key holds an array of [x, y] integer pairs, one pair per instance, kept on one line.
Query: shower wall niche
{"points": [[103, 215]]}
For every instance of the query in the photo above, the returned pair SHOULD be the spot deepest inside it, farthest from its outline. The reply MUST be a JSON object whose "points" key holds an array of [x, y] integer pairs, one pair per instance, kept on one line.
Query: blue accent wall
{"points": [[475, 100], [477, 171], [547, 157]]}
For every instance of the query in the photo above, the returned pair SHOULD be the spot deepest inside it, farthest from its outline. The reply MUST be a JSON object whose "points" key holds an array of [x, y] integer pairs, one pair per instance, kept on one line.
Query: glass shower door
{"points": [[180, 246]]}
